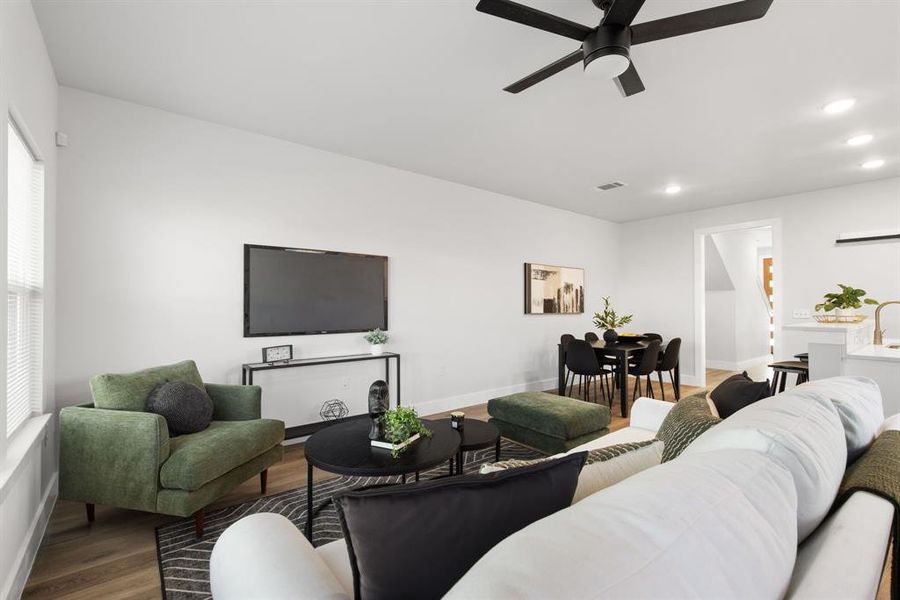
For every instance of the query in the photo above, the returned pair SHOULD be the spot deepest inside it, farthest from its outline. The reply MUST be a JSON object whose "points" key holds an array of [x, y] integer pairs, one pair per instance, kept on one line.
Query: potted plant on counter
{"points": [[609, 321], [400, 427], [844, 304], [377, 338]]}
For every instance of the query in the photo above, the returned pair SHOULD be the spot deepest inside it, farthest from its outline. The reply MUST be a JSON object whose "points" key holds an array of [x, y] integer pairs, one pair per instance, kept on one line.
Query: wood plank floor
{"points": [[115, 557]]}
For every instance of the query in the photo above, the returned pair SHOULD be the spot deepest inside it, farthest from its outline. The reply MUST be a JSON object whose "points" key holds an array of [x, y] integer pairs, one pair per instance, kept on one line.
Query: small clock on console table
{"points": [[274, 354]]}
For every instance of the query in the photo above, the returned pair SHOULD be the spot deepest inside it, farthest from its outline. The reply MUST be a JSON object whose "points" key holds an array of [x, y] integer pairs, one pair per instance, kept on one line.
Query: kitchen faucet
{"points": [[878, 340]]}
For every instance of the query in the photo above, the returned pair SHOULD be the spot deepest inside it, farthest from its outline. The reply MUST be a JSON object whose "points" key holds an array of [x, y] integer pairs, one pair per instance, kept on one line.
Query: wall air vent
{"points": [[609, 186]]}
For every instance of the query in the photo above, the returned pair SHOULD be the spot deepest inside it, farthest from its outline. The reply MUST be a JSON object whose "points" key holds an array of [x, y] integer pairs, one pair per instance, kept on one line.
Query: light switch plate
{"points": [[802, 313]]}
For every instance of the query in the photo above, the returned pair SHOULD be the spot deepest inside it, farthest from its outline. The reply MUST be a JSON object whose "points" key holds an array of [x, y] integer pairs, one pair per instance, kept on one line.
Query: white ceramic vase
{"points": [[376, 349]]}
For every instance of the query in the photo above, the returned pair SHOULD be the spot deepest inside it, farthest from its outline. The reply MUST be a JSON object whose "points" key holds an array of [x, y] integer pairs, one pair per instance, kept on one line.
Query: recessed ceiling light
{"points": [[673, 189], [859, 140], [873, 164], [839, 106]]}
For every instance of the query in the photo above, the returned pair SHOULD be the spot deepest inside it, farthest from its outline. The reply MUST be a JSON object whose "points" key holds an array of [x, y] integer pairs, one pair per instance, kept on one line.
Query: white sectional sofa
{"points": [[722, 520]]}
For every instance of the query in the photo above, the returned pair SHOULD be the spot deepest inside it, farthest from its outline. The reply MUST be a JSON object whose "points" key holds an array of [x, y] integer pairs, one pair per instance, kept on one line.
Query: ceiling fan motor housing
{"points": [[607, 39]]}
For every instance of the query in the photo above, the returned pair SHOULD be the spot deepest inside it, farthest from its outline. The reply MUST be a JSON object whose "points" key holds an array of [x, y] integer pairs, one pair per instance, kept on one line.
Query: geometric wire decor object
{"points": [[333, 410]]}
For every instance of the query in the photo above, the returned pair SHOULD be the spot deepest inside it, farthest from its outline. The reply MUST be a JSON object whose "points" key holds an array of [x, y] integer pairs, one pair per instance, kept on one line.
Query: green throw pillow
{"points": [[689, 418]]}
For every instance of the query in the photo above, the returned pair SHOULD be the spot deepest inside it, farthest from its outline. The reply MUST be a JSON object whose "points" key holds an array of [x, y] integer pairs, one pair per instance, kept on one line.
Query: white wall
{"points": [[737, 320], [28, 91], [157, 206], [661, 290]]}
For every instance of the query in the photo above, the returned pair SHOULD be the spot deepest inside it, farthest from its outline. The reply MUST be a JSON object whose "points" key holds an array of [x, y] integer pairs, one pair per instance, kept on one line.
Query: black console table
{"points": [[248, 369]]}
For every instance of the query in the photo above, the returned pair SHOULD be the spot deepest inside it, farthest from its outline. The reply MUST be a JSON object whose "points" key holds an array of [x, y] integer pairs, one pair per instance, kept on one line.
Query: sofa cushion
{"points": [[185, 407], [687, 420], [859, 405], [800, 429], [129, 391], [198, 458], [416, 541], [604, 466], [717, 525], [736, 392], [549, 414]]}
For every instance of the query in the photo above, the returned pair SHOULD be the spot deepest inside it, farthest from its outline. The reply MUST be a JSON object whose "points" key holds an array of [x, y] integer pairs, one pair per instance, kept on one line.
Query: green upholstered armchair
{"points": [[115, 453]]}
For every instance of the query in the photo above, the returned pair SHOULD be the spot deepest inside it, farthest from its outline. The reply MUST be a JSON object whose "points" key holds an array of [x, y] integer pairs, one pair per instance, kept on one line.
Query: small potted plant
{"points": [[845, 303], [377, 338], [400, 427], [609, 321]]}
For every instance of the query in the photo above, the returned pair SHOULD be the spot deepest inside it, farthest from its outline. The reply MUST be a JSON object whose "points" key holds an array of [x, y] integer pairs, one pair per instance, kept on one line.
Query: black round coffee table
{"points": [[344, 448], [476, 435]]}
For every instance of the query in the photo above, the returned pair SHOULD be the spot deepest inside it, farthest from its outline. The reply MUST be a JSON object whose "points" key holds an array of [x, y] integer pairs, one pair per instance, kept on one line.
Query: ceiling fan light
{"points": [[607, 63]]}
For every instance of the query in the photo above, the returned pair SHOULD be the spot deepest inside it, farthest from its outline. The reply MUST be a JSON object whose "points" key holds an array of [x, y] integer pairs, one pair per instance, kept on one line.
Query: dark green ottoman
{"points": [[548, 422]]}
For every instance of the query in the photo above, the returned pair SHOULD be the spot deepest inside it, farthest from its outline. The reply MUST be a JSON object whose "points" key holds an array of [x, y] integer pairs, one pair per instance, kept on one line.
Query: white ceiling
{"points": [[730, 114]]}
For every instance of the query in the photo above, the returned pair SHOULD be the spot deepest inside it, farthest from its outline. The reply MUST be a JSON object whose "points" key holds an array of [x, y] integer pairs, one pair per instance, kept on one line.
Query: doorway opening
{"points": [[736, 300]]}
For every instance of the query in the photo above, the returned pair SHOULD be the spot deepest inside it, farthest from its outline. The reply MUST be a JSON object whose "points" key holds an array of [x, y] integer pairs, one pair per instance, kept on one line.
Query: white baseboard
{"points": [[25, 559], [738, 366], [686, 379], [452, 402]]}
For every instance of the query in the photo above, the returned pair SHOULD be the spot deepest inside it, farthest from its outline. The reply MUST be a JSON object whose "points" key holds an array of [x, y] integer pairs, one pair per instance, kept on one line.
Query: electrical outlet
{"points": [[345, 383], [802, 313]]}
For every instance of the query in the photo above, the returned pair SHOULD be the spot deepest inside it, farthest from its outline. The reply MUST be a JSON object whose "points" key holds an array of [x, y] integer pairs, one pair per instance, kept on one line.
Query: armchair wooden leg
{"points": [[263, 478], [198, 522], [90, 512]]}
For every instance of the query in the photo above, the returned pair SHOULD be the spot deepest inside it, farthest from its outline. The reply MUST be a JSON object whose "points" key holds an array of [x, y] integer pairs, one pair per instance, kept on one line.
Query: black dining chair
{"points": [[667, 362], [564, 340], [581, 361], [590, 336], [653, 336], [644, 368]]}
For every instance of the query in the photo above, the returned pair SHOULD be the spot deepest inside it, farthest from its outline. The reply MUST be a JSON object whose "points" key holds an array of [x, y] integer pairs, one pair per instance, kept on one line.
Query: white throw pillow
{"points": [[712, 525], [859, 405], [602, 473], [799, 429]]}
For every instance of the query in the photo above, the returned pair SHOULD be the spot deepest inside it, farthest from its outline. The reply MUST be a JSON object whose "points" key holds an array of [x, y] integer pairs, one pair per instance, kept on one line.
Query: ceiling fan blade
{"points": [[541, 74], [629, 82], [708, 18], [622, 12], [513, 11]]}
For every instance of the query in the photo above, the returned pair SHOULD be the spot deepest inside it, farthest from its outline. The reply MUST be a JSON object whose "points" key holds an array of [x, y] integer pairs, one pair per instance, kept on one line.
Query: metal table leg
{"points": [[309, 501]]}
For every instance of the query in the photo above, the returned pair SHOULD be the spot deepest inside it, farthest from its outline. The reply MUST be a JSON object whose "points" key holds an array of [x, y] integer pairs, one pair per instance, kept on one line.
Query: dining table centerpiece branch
{"points": [[609, 320]]}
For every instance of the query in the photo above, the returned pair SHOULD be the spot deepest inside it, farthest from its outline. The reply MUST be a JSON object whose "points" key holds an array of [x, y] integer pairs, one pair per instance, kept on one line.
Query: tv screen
{"points": [[295, 291]]}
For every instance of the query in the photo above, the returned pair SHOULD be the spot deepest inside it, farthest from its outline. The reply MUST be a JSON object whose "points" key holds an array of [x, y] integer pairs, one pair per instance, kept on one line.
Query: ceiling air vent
{"points": [[610, 186]]}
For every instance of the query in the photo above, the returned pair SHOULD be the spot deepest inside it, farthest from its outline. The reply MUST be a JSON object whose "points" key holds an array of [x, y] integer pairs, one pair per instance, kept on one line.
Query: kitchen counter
{"points": [[835, 327], [872, 352]]}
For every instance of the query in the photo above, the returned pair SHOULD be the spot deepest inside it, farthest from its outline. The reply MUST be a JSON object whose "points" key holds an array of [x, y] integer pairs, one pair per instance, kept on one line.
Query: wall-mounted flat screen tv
{"points": [[297, 291]]}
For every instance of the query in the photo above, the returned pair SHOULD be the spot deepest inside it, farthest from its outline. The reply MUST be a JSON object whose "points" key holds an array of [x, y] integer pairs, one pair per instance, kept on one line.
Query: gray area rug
{"points": [[184, 560]]}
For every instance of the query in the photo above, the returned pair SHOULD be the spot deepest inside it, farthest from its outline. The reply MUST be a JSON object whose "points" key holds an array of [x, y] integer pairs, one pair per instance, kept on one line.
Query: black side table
{"points": [[344, 448], [475, 436]]}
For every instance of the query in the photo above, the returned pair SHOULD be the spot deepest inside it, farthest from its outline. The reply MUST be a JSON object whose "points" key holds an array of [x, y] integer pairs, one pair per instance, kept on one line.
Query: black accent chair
{"points": [[590, 336], [667, 362], [644, 368], [581, 361]]}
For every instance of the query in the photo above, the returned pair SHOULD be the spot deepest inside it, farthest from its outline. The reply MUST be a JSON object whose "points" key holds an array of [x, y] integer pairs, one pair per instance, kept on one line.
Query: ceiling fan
{"points": [[605, 48]]}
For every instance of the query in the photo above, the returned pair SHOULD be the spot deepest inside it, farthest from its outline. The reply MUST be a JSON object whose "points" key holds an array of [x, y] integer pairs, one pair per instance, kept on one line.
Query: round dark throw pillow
{"points": [[185, 407]]}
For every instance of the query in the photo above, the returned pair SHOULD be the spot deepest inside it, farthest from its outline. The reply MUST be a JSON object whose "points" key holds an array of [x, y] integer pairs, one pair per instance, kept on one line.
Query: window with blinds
{"points": [[25, 282]]}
